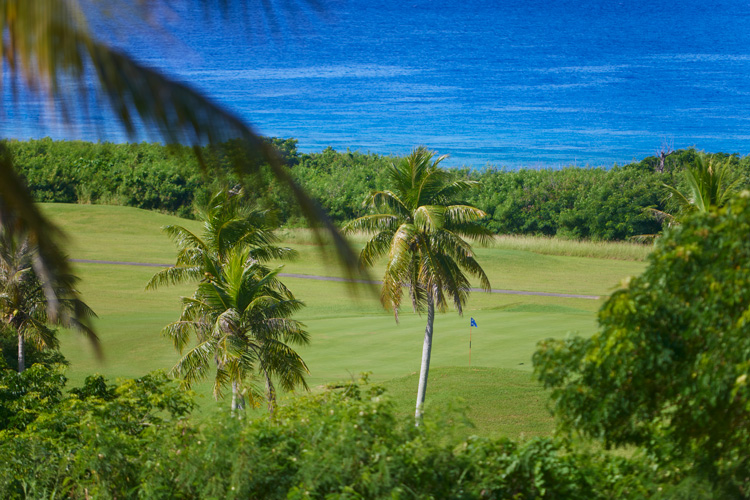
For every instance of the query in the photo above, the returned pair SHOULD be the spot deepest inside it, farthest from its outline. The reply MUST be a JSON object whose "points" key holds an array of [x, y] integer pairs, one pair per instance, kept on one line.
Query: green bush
{"points": [[91, 443], [573, 202], [668, 370], [132, 440], [342, 444]]}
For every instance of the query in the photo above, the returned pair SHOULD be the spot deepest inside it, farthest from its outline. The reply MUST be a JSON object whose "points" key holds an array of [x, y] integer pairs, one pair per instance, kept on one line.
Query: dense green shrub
{"points": [[33, 353], [91, 443], [144, 175], [668, 370], [340, 182], [26, 395], [573, 202], [131, 440]]}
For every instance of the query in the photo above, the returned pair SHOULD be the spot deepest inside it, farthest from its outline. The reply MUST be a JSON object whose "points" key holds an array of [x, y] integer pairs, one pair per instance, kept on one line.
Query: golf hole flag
{"points": [[474, 324]]}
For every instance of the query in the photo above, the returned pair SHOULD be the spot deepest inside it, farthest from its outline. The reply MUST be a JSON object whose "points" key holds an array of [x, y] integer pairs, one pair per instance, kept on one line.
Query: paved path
{"points": [[333, 278]]}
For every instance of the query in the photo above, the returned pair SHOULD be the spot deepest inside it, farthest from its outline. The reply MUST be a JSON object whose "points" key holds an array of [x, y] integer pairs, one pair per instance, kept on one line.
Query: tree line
{"points": [[572, 202]]}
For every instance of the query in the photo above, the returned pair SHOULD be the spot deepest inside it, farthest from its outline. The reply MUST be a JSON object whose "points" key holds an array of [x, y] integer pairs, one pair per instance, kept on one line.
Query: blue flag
{"points": [[473, 323]]}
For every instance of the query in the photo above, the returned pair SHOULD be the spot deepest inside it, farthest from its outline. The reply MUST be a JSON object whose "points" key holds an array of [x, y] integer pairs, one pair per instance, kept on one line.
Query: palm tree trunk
{"points": [[21, 353], [426, 351], [270, 394], [238, 401]]}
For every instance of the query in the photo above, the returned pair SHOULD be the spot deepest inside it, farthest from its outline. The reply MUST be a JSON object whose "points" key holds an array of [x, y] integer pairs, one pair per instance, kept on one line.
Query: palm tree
{"points": [[240, 315], [23, 303], [227, 223], [421, 230], [48, 46], [708, 184]]}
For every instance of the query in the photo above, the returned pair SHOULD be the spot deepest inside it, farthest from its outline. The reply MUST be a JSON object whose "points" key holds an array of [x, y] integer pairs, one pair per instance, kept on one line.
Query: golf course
{"points": [[117, 249]]}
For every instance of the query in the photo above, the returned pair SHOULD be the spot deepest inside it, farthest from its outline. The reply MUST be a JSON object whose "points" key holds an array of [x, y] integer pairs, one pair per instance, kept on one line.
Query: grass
{"points": [[511, 263], [575, 248], [351, 333], [498, 402], [544, 245]]}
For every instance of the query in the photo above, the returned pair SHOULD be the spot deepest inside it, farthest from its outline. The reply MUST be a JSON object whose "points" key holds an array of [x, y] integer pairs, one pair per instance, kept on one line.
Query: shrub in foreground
{"points": [[668, 371], [131, 440]]}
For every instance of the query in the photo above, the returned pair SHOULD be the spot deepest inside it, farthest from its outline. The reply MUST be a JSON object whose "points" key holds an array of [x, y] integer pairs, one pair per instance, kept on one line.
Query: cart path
{"points": [[345, 280]]}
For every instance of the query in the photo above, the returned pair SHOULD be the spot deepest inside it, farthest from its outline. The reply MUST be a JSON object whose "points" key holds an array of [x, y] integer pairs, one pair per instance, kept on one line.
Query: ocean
{"points": [[527, 83]]}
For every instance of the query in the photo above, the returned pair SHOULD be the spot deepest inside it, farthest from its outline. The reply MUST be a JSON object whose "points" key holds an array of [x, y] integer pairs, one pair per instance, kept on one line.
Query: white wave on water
{"points": [[308, 72]]}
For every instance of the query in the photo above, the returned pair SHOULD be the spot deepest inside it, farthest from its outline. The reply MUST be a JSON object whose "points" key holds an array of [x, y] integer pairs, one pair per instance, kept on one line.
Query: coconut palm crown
{"points": [[24, 306], [227, 223], [240, 315], [708, 183], [422, 231]]}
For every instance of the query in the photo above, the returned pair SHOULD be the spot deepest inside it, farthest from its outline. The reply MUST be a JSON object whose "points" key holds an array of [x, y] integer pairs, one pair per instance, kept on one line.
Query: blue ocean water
{"points": [[535, 83]]}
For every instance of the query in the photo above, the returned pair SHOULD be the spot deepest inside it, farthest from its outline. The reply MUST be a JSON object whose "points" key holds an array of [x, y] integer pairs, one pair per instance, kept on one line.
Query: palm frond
{"points": [[398, 271], [472, 231], [179, 333], [268, 253], [458, 215], [417, 290], [227, 325], [451, 280], [285, 329], [388, 202], [460, 251], [194, 308], [48, 42], [373, 223], [376, 247], [88, 332], [185, 240], [429, 187], [38, 333], [457, 188], [660, 215], [401, 250], [428, 218], [194, 365], [279, 308], [286, 364], [708, 184], [21, 219], [174, 275]]}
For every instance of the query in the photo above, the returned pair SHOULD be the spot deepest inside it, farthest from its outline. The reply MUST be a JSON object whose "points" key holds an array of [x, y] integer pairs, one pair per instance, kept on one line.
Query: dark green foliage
{"points": [[144, 175], [574, 202], [343, 444], [341, 182], [131, 440], [668, 371], [23, 396], [92, 443], [33, 354]]}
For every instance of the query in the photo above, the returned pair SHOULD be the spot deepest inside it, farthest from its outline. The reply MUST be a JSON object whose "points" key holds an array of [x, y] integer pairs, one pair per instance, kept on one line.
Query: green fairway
{"points": [[350, 331], [498, 401]]}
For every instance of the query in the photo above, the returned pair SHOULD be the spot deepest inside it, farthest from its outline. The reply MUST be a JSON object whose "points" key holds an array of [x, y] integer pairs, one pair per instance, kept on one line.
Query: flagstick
{"points": [[469, 346]]}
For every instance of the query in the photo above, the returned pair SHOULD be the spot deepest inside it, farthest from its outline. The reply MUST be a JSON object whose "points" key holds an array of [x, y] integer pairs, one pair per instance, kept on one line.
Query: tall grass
{"points": [[544, 245], [615, 250]]}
